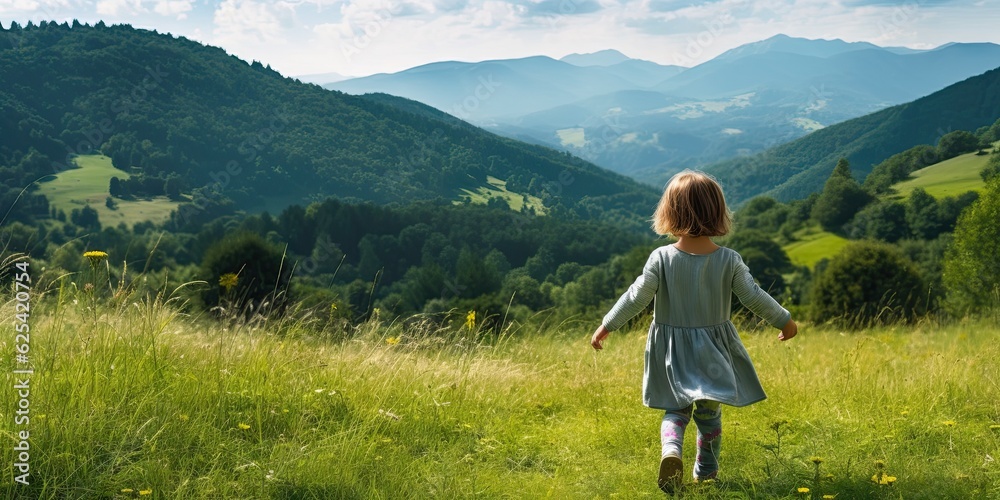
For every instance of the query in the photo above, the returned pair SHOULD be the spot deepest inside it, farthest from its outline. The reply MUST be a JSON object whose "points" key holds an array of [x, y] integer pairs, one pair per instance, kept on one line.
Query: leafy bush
{"points": [[868, 283], [883, 220], [261, 277], [922, 215], [956, 143], [992, 169], [971, 266], [899, 166]]}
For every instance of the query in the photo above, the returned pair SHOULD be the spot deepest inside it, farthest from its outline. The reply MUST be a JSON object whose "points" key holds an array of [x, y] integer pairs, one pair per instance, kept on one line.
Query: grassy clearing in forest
{"points": [[131, 396], [88, 185], [813, 245], [497, 188], [948, 178]]}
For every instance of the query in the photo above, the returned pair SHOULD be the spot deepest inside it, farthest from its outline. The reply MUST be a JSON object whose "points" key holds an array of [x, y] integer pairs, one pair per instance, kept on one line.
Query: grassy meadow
{"points": [[497, 188], [88, 185], [133, 399], [947, 178], [812, 245]]}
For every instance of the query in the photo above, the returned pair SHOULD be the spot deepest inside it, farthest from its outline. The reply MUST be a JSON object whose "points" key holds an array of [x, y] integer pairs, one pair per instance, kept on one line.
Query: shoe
{"points": [[709, 477], [670, 473]]}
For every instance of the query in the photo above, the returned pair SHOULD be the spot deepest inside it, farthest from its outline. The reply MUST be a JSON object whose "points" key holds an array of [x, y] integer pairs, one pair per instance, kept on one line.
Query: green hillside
{"points": [[88, 185], [948, 178], [799, 168], [813, 245], [235, 135]]}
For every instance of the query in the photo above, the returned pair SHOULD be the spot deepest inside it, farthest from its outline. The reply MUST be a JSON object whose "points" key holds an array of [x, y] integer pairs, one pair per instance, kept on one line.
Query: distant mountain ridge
{"points": [[607, 57], [800, 46], [323, 78], [798, 168], [648, 120], [489, 90]]}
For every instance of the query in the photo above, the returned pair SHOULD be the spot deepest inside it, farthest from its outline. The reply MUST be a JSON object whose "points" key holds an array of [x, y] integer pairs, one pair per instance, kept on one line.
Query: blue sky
{"points": [[361, 37]]}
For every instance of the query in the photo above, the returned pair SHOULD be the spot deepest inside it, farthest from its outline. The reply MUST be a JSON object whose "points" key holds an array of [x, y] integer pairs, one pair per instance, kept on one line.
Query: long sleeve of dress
{"points": [[637, 297], [756, 299]]}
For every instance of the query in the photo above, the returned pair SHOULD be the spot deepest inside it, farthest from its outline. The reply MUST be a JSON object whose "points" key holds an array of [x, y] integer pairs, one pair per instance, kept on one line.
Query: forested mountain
{"points": [[794, 170], [231, 134], [649, 121]]}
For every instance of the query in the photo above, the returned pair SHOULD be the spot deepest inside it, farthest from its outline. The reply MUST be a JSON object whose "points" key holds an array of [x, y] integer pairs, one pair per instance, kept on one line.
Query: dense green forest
{"points": [[352, 259], [795, 170], [347, 261], [192, 122]]}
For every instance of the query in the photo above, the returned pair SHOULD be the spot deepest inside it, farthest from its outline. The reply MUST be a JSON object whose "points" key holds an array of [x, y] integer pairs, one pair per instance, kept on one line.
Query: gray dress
{"points": [[693, 351]]}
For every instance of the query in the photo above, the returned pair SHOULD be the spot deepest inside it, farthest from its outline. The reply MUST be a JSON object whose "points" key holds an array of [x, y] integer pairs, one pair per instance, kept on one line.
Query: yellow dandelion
{"points": [[392, 340], [829, 497], [904, 412], [948, 423], [333, 307], [470, 320], [243, 426], [803, 490], [127, 490], [228, 281], [145, 492], [816, 460], [95, 257], [183, 417], [883, 479]]}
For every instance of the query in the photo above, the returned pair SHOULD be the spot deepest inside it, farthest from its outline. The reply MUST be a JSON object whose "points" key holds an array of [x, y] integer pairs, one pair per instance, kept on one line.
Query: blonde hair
{"points": [[692, 205]]}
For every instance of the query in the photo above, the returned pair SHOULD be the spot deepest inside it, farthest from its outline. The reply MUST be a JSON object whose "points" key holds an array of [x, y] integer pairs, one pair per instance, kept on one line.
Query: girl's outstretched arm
{"points": [[758, 301], [598, 338], [789, 330], [637, 297]]}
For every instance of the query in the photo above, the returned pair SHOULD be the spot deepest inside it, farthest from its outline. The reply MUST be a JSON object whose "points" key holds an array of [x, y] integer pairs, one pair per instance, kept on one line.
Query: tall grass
{"points": [[129, 396]]}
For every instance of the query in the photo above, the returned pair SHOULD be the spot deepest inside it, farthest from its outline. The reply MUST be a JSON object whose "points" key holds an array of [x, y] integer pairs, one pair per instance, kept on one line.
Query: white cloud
{"points": [[40, 9], [168, 8], [174, 8], [239, 21], [10, 6], [119, 7]]}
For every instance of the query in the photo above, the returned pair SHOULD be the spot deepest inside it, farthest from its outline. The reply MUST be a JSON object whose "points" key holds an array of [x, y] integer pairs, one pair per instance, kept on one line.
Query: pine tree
{"points": [[841, 199]]}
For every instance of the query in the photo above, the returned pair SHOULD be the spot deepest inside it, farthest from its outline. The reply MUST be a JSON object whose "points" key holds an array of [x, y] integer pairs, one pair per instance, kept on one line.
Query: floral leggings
{"points": [[708, 418]]}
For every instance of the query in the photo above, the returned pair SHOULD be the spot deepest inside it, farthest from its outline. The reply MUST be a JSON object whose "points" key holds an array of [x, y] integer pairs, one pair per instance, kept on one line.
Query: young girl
{"points": [[694, 357]]}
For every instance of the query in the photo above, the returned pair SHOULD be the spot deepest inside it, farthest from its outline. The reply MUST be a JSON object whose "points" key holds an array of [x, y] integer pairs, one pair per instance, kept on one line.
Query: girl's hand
{"points": [[788, 331], [599, 336]]}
